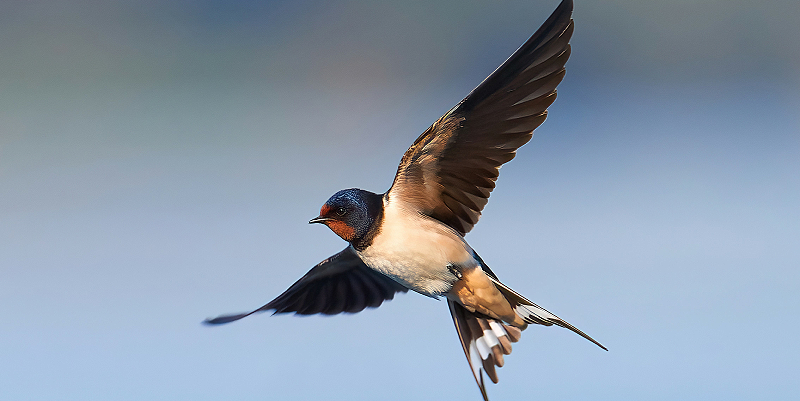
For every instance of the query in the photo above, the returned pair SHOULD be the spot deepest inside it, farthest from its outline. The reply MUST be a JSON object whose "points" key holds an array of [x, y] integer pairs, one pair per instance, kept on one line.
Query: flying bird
{"points": [[412, 236]]}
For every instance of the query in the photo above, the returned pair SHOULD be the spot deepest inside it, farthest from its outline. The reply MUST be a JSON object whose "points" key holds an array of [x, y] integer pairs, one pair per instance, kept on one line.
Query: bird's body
{"points": [[417, 251], [431, 258], [412, 236]]}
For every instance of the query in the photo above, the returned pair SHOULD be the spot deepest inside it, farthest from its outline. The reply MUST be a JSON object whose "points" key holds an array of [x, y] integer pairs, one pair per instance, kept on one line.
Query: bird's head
{"points": [[351, 213]]}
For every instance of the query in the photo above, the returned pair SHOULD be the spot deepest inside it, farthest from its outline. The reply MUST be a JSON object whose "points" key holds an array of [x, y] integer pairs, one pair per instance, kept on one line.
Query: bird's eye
{"points": [[341, 211]]}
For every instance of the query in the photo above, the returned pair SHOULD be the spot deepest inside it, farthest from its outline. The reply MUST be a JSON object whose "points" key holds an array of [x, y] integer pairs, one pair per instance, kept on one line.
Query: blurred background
{"points": [[159, 161]]}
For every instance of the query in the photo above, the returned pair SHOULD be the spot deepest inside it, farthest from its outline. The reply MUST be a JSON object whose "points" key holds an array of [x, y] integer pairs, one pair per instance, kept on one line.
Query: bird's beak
{"points": [[319, 219]]}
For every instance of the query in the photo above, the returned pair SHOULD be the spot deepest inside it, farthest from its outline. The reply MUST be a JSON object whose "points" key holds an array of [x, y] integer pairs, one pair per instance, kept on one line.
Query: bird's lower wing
{"points": [[341, 283]]}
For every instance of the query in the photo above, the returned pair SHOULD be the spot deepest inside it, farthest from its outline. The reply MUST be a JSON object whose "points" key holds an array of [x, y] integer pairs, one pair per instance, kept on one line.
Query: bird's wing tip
{"points": [[224, 319], [213, 321]]}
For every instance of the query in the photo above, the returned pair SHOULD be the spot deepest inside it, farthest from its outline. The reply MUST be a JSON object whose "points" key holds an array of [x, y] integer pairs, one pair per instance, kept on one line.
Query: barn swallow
{"points": [[412, 236]]}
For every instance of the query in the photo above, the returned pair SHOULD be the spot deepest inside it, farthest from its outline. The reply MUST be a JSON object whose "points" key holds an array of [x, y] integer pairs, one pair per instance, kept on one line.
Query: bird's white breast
{"points": [[416, 250]]}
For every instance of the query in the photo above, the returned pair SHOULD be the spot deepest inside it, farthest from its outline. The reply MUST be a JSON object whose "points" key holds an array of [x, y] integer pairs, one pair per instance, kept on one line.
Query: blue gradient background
{"points": [[159, 161]]}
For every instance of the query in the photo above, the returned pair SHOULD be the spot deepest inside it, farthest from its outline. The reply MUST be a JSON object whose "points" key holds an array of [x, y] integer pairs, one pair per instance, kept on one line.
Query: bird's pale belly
{"points": [[418, 253]]}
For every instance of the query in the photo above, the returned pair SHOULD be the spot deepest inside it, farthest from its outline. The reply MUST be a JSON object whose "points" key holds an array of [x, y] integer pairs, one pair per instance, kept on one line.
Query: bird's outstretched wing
{"points": [[341, 283], [450, 170]]}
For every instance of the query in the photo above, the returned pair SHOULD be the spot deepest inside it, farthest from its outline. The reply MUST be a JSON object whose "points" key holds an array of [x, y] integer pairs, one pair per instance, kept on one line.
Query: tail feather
{"points": [[532, 313], [485, 341]]}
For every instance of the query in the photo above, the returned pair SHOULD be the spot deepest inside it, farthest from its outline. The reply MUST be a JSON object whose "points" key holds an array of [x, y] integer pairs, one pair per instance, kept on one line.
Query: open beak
{"points": [[319, 219]]}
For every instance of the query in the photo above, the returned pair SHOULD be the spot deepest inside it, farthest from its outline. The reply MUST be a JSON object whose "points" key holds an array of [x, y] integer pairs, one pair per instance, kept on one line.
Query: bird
{"points": [[412, 236]]}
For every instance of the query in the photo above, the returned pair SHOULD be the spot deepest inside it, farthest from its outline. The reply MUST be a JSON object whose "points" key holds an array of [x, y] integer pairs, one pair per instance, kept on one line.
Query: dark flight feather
{"points": [[341, 283], [450, 170]]}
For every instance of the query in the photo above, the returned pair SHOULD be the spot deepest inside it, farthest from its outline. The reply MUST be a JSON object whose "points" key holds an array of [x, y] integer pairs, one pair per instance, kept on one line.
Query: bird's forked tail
{"points": [[486, 340]]}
